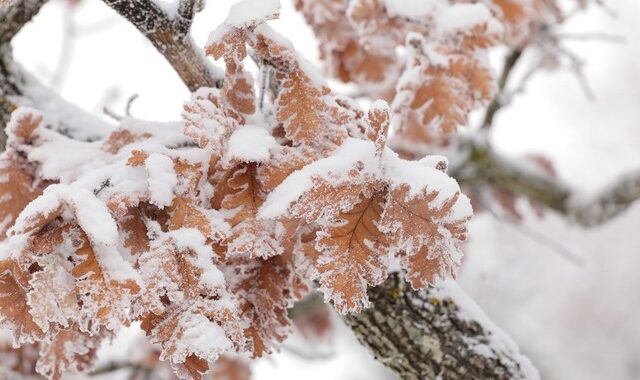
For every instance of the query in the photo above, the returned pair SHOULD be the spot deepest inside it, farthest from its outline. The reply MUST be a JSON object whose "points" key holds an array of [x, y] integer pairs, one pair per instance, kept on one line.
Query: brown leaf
{"points": [[14, 310], [379, 121], [68, 349], [426, 232], [351, 254], [17, 189], [133, 231], [304, 108], [265, 290], [121, 138], [209, 121], [231, 368]]}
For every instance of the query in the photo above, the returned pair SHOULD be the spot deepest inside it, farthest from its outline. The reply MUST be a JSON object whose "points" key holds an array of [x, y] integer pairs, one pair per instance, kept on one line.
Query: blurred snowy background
{"points": [[576, 321]]}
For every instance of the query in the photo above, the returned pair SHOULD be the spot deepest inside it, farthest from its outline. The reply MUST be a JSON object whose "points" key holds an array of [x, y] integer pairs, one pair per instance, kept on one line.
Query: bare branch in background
{"points": [[509, 64], [69, 35], [485, 166]]}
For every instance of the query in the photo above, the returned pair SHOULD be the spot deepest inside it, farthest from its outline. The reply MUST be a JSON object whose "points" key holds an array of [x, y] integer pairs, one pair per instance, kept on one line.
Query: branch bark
{"points": [[171, 38], [436, 333], [483, 166], [496, 104], [12, 18]]}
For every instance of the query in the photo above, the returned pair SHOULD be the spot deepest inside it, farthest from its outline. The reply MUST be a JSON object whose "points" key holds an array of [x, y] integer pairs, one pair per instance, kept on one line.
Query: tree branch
{"points": [[483, 166], [497, 103], [12, 18], [184, 17], [171, 38], [437, 333]]}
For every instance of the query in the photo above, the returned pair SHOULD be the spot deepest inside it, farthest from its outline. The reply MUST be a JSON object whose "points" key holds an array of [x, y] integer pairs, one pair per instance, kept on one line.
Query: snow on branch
{"points": [[169, 33], [436, 333]]}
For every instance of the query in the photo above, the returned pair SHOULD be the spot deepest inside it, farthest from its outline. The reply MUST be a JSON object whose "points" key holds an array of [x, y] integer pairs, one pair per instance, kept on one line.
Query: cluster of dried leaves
{"points": [[427, 58], [206, 236]]}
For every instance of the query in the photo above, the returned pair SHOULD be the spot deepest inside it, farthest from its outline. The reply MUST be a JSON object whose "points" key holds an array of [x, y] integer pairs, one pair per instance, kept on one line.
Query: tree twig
{"points": [[496, 104]]}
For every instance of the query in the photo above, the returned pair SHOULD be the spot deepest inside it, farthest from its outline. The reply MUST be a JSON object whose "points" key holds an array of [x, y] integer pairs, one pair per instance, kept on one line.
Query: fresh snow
{"points": [[355, 152], [161, 178], [250, 144]]}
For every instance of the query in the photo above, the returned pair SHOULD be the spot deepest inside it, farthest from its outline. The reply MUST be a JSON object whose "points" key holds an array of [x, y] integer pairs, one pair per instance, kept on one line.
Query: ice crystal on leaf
{"points": [[207, 232]]}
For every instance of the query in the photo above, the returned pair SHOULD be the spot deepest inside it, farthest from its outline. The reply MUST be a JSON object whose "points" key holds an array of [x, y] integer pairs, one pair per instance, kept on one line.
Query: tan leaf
{"points": [[231, 368], [14, 309], [426, 232], [351, 255], [24, 121], [185, 303], [304, 108], [17, 189], [379, 121], [68, 349], [265, 290], [183, 213], [121, 138], [133, 231], [209, 121]]}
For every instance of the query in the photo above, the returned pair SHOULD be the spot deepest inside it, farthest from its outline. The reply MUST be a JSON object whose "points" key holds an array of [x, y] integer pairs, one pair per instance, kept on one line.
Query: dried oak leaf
{"points": [[14, 309], [73, 224], [265, 289], [379, 31], [229, 41], [133, 231], [186, 308], [231, 368], [440, 89], [426, 230], [238, 195], [68, 349], [209, 121], [17, 189], [122, 137], [340, 50], [351, 255], [305, 108]]}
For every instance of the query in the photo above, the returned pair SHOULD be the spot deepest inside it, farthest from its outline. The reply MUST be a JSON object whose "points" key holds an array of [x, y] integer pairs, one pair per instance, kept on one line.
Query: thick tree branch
{"points": [[12, 18], [436, 333], [171, 38]]}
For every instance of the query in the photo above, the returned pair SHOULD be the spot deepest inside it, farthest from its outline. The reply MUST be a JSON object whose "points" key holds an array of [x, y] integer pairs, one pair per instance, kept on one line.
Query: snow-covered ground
{"points": [[575, 321]]}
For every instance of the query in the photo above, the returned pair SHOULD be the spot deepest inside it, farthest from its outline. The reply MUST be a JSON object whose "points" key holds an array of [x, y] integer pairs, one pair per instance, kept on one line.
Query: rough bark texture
{"points": [[436, 333]]}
